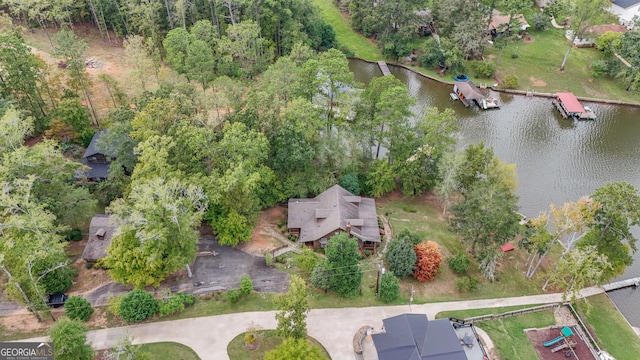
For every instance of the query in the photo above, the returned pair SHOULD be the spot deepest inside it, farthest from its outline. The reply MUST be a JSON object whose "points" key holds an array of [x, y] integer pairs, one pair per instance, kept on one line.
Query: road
{"points": [[334, 328]]}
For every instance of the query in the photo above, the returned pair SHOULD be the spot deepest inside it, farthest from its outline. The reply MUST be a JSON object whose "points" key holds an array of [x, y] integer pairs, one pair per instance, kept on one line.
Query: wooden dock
{"points": [[384, 68], [622, 284]]}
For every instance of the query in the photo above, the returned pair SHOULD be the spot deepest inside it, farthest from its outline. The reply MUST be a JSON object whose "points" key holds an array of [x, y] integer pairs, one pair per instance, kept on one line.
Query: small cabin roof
{"points": [[570, 102]]}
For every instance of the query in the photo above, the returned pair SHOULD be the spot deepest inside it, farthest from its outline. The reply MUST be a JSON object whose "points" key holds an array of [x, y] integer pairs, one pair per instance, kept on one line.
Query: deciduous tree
{"points": [[157, 235], [582, 14], [292, 349], [70, 339], [342, 265], [610, 231], [486, 216], [294, 306]]}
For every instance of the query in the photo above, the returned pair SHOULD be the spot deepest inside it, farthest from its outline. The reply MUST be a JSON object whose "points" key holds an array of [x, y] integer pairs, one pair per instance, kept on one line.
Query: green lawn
{"points": [[169, 351], [268, 340], [538, 62], [611, 330], [508, 334], [216, 304], [420, 216], [361, 46]]}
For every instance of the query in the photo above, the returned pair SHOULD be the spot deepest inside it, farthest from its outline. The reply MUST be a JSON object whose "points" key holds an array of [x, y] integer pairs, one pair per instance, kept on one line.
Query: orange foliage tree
{"points": [[428, 261]]}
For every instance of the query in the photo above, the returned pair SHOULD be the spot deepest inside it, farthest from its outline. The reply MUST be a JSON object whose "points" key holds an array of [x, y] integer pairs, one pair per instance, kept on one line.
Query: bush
{"points": [[73, 235], [187, 299], [459, 263], [483, 69], [113, 306], [268, 259], [401, 256], [58, 280], [78, 308], [389, 287], [307, 260], [350, 183], [428, 261], [540, 21], [510, 81], [233, 295], [171, 306], [138, 305], [467, 284], [320, 276], [598, 68], [246, 285]]}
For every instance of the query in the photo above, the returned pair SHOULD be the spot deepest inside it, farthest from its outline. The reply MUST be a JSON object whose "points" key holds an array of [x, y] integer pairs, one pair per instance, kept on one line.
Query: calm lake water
{"points": [[558, 160]]}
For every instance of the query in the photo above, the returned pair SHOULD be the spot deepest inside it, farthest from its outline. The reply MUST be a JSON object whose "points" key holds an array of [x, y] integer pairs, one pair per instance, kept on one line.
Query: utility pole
{"points": [[411, 298], [380, 273]]}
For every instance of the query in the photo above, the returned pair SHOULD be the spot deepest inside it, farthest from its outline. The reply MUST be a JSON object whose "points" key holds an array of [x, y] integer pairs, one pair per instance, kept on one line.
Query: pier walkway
{"points": [[384, 68], [621, 284]]}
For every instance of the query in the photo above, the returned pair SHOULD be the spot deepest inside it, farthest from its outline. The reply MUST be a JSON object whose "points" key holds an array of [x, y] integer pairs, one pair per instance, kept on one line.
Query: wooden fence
{"points": [[510, 313]]}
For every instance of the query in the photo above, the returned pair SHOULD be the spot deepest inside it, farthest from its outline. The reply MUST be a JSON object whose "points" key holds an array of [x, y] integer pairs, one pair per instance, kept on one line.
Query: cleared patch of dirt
{"points": [[528, 39], [87, 279], [536, 82], [261, 240], [28, 323]]}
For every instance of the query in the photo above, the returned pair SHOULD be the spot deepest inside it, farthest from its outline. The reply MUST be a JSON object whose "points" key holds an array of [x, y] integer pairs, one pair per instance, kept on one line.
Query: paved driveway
{"points": [[223, 270]]}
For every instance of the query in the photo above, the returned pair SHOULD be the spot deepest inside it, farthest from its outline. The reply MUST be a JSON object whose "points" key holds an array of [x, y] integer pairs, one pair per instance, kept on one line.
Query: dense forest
{"points": [[242, 104]]}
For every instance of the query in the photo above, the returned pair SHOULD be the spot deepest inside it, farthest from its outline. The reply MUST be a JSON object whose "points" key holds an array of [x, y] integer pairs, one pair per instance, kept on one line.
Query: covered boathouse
{"points": [[569, 107]]}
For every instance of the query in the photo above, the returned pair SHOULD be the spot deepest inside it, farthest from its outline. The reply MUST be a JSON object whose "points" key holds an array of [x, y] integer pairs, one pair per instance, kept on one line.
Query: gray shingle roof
{"points": [[96, 247], [414, 337], [331, 211]]}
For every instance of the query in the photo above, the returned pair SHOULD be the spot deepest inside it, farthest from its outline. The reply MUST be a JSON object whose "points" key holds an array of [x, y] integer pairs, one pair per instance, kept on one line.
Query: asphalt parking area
{"points": [[219, 268]]}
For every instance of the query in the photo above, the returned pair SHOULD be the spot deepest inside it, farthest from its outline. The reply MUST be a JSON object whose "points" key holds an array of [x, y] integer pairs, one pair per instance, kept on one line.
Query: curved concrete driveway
{"points": [[334, 328]]}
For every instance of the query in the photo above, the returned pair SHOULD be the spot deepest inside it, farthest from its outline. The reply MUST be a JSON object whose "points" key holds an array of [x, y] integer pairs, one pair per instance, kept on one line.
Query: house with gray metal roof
{"points": [[336, 210], [415, 337]]}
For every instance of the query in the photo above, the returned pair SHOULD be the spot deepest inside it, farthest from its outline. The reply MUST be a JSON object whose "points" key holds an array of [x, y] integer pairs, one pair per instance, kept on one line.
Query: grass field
{"points": [[268, 340], [421, 216], [508, 334], [169, 351], [361, 46], [537, 65], [611, 330]]}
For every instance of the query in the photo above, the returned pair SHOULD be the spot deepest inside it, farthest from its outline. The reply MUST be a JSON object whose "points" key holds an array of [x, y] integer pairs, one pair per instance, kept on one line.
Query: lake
{"points": [[558, 160]]}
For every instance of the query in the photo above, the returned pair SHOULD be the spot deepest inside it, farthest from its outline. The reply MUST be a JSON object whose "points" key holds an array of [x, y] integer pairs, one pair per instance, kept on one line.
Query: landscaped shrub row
{"points": [[138, 305]]}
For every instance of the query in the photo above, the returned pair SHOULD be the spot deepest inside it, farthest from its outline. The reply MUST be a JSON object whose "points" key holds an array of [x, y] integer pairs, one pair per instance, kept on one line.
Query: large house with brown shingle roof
{"points": [[336, 210]]}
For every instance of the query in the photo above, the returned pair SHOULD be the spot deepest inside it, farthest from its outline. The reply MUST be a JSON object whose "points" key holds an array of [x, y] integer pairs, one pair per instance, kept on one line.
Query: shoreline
{"points": [[507, 91]]}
